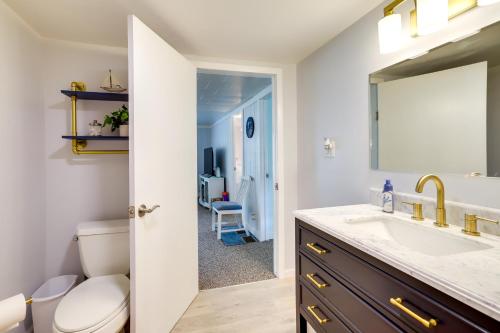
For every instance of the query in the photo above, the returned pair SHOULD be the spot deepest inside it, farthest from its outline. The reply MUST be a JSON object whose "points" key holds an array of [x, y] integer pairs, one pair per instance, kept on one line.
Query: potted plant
{"points": [[118, 119]]}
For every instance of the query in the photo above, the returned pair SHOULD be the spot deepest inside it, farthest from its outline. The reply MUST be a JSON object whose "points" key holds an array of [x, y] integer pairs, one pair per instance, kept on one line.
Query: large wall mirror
{"points": [[440, 112]]}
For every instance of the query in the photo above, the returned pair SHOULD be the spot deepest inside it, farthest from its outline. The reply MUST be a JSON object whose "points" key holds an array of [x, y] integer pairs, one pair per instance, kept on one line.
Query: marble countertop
{"points": [[471, 277]]}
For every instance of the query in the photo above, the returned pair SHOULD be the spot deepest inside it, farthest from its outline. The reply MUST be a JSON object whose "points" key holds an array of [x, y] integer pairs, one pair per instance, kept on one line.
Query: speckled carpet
{"points": [[221, 266]]}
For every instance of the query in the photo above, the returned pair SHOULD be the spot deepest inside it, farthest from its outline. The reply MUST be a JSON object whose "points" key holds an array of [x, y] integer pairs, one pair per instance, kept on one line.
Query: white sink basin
{"points": [[419, 238]]}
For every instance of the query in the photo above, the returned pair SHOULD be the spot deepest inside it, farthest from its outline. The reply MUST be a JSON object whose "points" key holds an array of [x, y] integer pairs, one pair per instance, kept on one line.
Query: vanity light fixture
{"points": [[486, 2], [390, 33], [432, 16], [390, 30], [428, 16]]}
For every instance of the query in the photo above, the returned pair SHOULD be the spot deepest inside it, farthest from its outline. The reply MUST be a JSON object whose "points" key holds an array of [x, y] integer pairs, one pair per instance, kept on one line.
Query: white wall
{"points": [[448, 107], [22, 219], [333, 100], [79, 188], [289, 174], [47, 190]]}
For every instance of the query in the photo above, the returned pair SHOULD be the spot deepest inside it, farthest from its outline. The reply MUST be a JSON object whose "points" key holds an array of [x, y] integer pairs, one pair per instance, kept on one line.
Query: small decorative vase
{"points": [[95, 129], [123, 130]]}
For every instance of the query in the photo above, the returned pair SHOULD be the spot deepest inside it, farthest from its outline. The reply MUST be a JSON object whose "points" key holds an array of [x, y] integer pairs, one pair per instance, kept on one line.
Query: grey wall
{"points": [[331, 85], [79, 188], [46, 190], [333, 101], [22, 169]]}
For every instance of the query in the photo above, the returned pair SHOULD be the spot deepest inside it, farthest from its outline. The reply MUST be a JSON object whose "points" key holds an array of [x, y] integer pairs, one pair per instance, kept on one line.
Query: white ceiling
{"points": [[283, 31], [222, 93]]}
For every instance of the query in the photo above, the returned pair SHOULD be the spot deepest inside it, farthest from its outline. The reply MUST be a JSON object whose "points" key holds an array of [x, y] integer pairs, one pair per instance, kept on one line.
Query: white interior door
{"points": [[251, 163], [164, 245], [237, 132]]}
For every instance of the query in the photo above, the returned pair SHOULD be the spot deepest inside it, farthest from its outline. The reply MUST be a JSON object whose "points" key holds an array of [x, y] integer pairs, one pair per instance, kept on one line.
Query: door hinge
{"points": [[276, 187], [131, 212]]}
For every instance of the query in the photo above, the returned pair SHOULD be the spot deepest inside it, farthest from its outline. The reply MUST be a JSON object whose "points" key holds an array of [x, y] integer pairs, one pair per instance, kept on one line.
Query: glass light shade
{"points": [[432, 15], [486, 2], [390, 33]]}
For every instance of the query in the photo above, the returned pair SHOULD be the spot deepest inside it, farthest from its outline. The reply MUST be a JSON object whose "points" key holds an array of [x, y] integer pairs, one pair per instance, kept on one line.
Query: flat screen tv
{"points": [[208, 161]]}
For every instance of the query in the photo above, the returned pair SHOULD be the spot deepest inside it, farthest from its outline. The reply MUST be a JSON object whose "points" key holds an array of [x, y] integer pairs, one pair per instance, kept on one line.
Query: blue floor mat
{"points": [[236, 237]]}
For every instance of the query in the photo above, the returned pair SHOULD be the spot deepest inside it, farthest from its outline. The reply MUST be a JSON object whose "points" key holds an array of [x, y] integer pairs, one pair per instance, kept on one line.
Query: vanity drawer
{"points": [[318, 315], [358, 313], [317, 247], [395, 298]]}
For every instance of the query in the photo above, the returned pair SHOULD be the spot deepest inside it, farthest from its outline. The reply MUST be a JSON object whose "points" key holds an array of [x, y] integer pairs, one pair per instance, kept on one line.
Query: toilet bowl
{"points": [[101, 303]]}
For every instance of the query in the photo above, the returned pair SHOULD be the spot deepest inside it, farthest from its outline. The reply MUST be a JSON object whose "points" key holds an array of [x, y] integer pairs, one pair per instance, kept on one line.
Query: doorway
{"points": [[169, 180], [235, 152]]}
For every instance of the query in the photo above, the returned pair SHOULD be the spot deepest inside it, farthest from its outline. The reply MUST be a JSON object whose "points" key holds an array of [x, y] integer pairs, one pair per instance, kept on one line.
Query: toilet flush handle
{"points": [[143, 210]]}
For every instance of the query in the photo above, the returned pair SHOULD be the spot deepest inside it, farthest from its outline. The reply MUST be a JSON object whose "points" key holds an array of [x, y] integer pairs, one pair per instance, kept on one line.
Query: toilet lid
{"points": [[92, 302]]}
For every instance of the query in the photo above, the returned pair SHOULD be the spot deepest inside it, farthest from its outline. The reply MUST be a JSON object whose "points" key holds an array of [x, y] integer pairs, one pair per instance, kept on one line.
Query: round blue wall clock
{"points": [[250, 127]]}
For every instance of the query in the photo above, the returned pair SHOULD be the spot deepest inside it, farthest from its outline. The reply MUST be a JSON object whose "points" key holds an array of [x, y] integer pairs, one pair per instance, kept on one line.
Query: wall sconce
{"points": [[329, 146], [428, 16]]}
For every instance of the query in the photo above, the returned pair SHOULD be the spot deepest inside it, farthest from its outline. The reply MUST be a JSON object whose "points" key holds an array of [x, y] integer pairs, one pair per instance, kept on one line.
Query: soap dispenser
{"points": [[388, 197]]}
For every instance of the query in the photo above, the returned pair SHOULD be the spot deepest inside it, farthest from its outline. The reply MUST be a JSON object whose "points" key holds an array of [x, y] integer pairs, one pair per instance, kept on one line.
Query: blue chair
{"points": [[220, 208]]}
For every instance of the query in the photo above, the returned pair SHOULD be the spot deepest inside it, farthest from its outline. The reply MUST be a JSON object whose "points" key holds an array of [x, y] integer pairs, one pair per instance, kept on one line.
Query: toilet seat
{"points": [[100, 304]]}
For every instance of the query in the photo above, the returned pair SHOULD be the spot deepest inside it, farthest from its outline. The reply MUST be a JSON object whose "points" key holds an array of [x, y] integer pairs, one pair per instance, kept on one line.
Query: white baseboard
{"points": [[286, 273]]}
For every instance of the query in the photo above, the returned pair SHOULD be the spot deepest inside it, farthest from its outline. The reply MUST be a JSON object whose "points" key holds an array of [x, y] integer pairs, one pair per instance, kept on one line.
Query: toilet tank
{"points": [[104, 247]]}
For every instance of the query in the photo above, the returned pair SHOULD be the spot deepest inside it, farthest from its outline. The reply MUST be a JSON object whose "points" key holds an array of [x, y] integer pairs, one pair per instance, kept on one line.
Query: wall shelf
{"points": [[79, 142], [96, 96], [101, 137]]}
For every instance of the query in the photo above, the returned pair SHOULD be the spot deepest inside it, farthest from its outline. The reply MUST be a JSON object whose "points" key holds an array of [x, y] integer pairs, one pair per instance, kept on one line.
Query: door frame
{"points": [[278, 151], [265, 136]]}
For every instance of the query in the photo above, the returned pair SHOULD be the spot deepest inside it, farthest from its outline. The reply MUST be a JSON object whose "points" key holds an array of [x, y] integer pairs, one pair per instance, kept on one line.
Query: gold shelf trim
{"points": [[78, 146]]}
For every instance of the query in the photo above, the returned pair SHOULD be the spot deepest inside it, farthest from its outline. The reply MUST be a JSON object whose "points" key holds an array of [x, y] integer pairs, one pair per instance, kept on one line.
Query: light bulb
{"points": [[432, 15], [390, 33]]}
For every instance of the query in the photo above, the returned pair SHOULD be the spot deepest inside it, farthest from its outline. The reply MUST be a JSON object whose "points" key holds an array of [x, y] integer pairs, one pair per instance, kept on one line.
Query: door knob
{"points": [[143, 210]]}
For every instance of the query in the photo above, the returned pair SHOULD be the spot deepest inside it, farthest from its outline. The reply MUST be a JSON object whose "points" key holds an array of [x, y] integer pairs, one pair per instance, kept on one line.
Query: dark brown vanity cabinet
{"points": [[342, 289]]}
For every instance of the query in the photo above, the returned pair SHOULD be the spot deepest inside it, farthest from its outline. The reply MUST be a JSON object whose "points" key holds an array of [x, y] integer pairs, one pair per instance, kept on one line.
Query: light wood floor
{"points": [[259, 307]]}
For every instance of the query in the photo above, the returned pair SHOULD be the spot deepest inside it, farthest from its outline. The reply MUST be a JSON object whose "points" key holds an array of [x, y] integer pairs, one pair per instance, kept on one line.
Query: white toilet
{"points": [[101, 303]]}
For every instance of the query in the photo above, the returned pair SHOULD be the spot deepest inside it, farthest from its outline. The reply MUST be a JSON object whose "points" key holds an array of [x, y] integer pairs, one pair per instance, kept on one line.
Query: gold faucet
{"points": [[440, 209], [471, 224]]}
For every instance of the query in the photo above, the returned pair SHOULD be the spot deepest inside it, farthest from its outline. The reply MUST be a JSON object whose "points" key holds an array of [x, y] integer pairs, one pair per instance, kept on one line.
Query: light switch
{"points": [[329, 146]]}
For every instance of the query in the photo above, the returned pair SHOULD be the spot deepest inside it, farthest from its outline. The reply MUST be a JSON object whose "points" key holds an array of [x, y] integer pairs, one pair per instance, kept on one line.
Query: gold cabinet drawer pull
{"points": [[398, 302], [320, 320], [311, 278], [316, 248]]}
